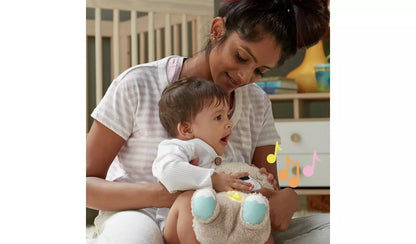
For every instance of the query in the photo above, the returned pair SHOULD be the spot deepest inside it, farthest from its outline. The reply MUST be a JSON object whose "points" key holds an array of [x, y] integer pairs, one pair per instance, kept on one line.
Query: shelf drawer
{"points": [[304, 136], [320, 177]]}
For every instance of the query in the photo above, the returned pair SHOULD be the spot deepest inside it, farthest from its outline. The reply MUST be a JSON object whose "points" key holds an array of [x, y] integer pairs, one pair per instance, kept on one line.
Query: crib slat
{"points": [[199, 33], [142, 48], [133, 32], [124, 48], [158, 43], [176, 39], [98, 57], [151, 44], [116, 42], [184, 36], [194, 37], [168, 37], [190, 7]]}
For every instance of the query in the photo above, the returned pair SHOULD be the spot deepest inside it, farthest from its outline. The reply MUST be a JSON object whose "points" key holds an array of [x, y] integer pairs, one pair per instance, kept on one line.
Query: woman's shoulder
{"points": [[151, 68], [254, 93], [255, 88], [148, 74]]}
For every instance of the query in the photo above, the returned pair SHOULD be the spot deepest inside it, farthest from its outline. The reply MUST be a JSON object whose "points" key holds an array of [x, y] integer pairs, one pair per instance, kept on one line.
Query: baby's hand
{"points": [[225, 182]]}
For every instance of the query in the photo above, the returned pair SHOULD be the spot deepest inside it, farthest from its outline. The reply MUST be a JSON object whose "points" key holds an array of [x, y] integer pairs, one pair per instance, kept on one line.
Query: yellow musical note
{"points": [[271, 158]]}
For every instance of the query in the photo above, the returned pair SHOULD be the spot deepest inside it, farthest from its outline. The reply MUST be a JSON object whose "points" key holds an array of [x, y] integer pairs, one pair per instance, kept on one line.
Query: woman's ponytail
{"points": [[312, 19]]}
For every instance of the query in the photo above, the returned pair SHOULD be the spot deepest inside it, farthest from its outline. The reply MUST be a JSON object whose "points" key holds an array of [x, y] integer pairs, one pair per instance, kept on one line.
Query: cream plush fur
{"points": [[227, 225]]}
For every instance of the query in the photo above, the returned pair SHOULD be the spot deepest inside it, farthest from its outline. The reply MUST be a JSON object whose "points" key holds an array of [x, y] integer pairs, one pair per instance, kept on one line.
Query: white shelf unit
{"points": [[302, 135]]}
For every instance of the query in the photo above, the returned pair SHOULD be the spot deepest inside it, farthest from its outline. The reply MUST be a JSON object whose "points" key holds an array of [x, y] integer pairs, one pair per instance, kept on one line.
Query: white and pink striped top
{"points": [[130, 109]]}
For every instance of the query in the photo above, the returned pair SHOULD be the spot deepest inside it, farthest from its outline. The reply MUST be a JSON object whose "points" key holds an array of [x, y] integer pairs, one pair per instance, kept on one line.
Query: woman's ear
{"points": [[217, 28], [185, 130]]}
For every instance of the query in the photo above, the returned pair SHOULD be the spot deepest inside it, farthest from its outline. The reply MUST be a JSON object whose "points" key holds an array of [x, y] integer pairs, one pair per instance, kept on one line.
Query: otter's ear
{"points": [[217, 28], [185, 130]]}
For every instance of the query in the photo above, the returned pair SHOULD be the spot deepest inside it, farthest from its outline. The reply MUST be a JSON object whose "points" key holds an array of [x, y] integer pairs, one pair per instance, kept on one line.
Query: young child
{"points": [[195, 113]]}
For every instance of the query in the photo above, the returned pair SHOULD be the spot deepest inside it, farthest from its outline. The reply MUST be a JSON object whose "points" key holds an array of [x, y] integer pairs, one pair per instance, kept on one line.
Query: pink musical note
{"points": [[308, 170]]}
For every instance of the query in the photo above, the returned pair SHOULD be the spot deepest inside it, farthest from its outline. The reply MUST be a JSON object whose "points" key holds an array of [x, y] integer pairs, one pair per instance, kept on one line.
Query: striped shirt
{"points": [[130, 109]]}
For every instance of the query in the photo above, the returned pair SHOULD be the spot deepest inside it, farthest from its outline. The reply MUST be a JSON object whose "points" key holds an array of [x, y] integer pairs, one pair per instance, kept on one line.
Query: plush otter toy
{"points": [[233, 216]]}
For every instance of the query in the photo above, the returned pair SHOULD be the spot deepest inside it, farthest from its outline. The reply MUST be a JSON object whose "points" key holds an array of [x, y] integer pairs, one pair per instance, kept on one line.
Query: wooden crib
{"points": [[139, 31]]}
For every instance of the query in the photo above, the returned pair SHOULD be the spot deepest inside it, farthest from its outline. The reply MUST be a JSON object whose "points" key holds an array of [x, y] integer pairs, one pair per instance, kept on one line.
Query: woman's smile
{"points": [[231, 82]]}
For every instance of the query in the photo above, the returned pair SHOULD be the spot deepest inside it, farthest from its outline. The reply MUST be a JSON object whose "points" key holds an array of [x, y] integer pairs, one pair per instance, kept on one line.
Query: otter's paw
{"points": [[203, 203], [254, 209]]}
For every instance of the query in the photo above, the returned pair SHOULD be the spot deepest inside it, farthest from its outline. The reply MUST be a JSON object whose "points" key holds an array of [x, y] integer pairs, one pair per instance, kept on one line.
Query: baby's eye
{"points": [[218, 117]]}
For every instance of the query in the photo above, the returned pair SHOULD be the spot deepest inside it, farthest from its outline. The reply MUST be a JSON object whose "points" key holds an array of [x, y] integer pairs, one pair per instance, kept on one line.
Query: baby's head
{"points": [[196, 108]]}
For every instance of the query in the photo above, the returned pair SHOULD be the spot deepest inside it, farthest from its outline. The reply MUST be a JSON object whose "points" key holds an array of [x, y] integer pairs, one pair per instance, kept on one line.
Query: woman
{"points": [[247, 38]]}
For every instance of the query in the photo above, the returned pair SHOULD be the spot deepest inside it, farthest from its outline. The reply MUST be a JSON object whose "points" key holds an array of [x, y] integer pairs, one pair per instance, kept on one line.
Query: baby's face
{"points": [[213, 126]]}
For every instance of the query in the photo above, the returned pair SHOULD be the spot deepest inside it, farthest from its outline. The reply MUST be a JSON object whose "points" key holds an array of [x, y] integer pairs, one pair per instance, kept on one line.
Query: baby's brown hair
{"points": [[182, 100]]}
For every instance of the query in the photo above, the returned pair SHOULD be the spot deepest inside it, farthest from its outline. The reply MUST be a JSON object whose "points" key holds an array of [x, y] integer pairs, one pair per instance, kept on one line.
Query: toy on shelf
{"points": [[304, 74]]}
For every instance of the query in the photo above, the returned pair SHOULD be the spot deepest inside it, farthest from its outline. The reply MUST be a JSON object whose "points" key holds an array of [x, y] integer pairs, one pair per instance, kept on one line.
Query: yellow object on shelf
{"points": [[304, 74]]}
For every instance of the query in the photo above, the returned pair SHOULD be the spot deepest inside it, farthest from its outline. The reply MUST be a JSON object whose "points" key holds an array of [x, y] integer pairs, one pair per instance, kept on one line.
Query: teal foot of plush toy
{"points": [[254, 209], [203, 203]]}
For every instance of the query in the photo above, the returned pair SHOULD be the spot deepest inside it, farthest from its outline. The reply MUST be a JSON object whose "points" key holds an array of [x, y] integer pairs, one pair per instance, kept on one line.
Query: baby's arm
{"points": [[173, 169]]}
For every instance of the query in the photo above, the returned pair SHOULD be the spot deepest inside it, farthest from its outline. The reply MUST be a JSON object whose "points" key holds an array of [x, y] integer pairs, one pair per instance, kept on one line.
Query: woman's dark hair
{"points": [[294, 24], [182, 100]]}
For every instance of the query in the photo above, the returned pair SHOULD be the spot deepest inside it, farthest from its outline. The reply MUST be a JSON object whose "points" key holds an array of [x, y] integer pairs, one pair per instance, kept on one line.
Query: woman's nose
{"points": [[244, 76]]}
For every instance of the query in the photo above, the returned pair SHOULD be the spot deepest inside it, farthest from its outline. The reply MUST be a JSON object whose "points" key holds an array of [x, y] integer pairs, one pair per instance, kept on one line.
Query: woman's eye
{"points": [[240, 58], [258, 72]]}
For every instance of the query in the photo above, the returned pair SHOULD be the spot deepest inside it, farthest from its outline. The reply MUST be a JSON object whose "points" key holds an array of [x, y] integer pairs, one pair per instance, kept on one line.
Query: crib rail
{"points": [[155, 29]]}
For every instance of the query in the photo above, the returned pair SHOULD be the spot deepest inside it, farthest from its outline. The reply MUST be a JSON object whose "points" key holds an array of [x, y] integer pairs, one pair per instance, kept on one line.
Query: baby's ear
{"points": [[185, 130]]}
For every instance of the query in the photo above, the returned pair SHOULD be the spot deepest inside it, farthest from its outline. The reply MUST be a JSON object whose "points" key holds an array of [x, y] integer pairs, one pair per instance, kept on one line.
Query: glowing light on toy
{"points": [[236, 195]]}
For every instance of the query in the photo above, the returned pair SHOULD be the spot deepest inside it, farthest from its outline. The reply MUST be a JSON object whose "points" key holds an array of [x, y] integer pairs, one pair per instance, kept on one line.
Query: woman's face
{"points": [[236, 62]]}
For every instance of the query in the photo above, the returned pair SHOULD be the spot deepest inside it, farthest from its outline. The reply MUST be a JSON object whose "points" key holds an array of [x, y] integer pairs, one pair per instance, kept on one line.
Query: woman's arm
{"points": [[283, 203], [117, 196], [102, 147]]}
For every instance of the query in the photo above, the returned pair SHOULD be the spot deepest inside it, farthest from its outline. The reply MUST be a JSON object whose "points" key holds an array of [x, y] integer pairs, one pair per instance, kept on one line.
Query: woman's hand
{"points": [[227, 182], [270, 178], [259, 160]]}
